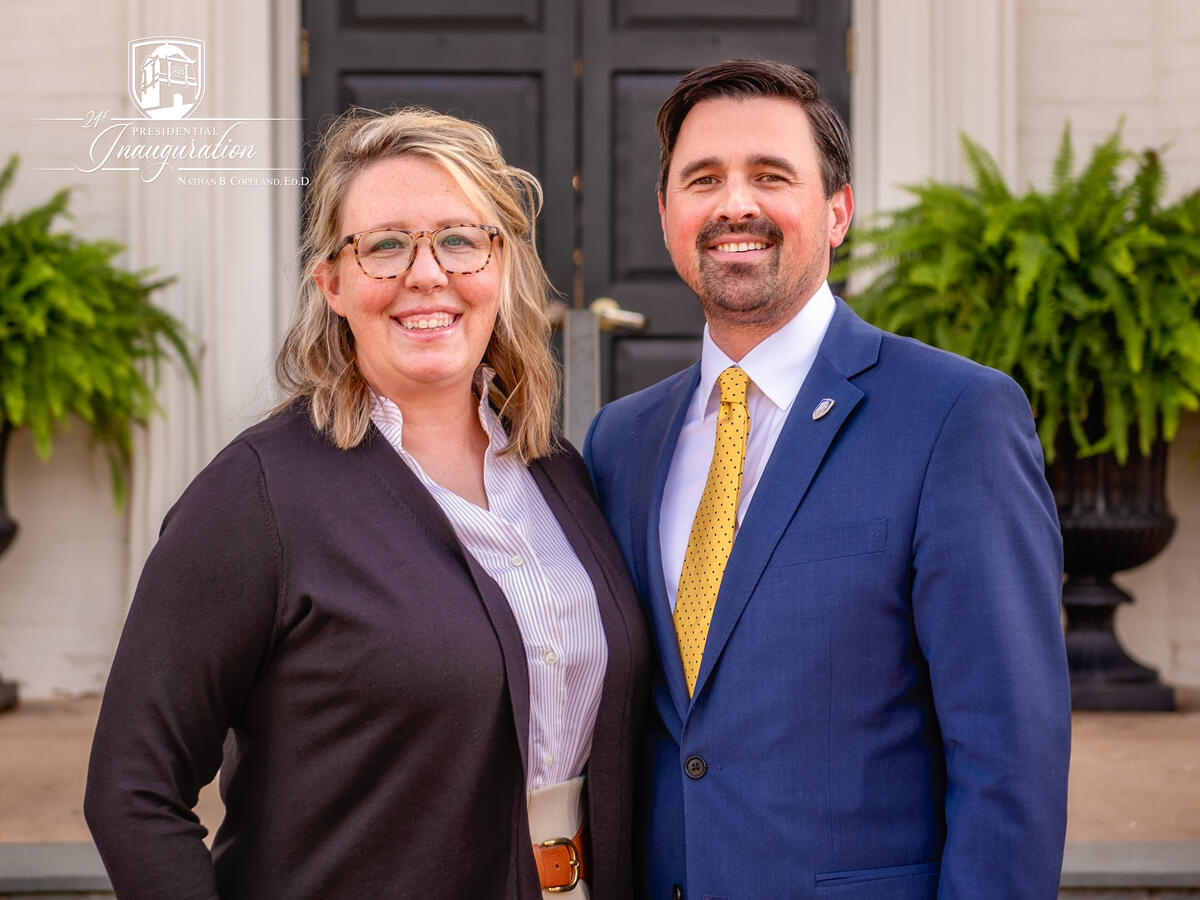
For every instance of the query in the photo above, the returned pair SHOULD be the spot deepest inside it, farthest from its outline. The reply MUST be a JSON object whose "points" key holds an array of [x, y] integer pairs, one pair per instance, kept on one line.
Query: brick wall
{"points": [[1093, 61]]}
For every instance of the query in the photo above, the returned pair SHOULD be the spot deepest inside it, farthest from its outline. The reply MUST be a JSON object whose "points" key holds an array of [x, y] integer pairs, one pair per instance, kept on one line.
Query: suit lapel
{"points": [[658, 427], [850, 345]]}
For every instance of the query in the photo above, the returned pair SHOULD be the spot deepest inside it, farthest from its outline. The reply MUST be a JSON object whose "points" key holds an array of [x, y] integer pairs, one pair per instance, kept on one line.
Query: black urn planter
{"points": [[8, 530], [1113, 517]]}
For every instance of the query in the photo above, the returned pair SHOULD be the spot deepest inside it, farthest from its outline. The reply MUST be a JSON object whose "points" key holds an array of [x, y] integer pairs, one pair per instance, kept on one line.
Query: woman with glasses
{"points": [[391, 613]]}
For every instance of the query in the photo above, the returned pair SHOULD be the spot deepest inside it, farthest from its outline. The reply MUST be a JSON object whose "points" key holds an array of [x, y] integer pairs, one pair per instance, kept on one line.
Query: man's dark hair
{"points": [[759, 78]]}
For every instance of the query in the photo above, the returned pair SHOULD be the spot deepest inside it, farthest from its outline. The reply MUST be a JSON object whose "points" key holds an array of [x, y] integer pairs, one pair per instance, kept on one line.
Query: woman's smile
{"points": [[429, 322]]}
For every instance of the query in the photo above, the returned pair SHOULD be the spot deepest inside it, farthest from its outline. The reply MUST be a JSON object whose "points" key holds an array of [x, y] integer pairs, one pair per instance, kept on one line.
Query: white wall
{"points": [[62, 582], [1092, 62], [66, 581]]}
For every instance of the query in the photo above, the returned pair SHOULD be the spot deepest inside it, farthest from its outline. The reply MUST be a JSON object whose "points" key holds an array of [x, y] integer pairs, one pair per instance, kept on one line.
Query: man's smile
{"points": [[739, 246]]}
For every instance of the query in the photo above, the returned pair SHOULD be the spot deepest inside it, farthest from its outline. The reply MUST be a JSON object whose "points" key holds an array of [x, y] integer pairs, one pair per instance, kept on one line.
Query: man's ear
{"points": [[327, 276], [662, 216], [841, 211]]}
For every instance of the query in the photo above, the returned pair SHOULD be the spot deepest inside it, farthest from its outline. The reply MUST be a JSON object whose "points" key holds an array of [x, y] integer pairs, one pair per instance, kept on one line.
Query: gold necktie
{"points": [[712, 530]]}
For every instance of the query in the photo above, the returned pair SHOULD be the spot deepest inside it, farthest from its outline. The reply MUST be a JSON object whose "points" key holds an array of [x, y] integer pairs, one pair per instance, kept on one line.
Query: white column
{"points": [[975, 83], [926, 71], [231, 247]]}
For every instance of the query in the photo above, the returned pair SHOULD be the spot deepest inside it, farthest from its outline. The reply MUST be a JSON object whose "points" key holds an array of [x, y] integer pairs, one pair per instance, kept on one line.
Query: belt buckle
{"points": [[572, 861]]}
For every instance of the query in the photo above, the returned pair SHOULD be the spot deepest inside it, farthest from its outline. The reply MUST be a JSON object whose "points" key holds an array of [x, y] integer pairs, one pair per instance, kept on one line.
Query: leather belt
{"points": [[562, 862]]}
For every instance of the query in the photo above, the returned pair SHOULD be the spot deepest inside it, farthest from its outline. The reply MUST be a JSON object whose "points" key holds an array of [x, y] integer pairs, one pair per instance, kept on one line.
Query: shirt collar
{"points": [[390, 420], [778, 364]]}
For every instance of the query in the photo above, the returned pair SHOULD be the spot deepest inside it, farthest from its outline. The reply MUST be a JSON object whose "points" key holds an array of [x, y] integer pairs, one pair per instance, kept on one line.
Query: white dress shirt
{"points": [[777, 368], [520, 544]]}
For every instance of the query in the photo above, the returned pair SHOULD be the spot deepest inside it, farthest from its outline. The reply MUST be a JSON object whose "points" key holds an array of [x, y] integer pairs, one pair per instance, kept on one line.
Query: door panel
{"points": [[640, 361], [511, 104], [668, 12], [506, 13], [638, 249]]}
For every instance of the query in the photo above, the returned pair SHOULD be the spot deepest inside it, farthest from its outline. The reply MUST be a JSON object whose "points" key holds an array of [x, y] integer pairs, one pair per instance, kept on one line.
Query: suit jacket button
{"points": [[677, 893], [695, 767]]}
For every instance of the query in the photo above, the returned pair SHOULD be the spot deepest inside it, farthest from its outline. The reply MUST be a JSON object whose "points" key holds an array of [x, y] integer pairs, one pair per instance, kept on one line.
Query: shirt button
{"points": [[517, 561], [549, 759], [551, 657], [695, 767]]}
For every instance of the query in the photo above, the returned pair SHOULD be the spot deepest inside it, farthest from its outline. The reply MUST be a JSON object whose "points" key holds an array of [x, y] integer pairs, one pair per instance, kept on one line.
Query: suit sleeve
{"points": [[198, 630], [987, 583]]}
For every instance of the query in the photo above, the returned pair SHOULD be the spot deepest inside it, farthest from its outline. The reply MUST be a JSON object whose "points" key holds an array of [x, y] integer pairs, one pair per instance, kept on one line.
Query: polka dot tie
{"points": [[712, 530]]}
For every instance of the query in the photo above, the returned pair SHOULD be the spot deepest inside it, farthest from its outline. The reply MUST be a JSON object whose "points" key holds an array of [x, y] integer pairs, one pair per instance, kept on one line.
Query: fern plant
{"points": [[78, 335], [1088, 294]]}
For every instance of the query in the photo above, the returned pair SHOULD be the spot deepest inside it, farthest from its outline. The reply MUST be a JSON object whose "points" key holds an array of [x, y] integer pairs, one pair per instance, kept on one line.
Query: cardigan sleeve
{"points": [[198, 631]]}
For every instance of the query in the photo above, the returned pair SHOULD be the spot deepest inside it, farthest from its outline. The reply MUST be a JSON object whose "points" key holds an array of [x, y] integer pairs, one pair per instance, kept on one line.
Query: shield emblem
{"points": [[166, 76]]}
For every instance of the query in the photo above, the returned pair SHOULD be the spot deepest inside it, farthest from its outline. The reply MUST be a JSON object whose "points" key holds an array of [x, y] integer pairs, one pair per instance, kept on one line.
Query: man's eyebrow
{"points": [[692, 168], [772, 162]]}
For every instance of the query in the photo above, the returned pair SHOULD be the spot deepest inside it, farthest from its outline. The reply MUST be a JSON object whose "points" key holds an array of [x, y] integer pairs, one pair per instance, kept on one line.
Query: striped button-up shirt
{"points": [[520, 544]]}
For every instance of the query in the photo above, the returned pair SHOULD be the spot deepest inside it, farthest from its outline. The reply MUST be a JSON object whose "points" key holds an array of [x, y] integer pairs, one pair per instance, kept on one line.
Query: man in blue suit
{"points": [[869, 697]]}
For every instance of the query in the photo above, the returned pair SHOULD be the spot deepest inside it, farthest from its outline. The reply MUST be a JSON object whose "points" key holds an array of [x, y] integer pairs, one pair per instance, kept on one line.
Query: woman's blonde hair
{"points": [[317, 359]]}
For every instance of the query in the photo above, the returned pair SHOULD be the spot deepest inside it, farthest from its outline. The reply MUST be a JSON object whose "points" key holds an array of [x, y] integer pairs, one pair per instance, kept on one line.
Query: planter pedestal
{"points": [[1103, 675], [8, 530], [1113, 518]]}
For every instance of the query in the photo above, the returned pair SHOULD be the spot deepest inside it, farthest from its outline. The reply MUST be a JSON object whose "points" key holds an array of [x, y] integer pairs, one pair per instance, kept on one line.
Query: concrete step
{"points": [[1100, 870], [1131, 870], [52, 872]]}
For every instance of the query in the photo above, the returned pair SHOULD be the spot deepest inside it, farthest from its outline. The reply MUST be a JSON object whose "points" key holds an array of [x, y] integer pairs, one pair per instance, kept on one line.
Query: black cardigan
{"points": [[314, 607]]}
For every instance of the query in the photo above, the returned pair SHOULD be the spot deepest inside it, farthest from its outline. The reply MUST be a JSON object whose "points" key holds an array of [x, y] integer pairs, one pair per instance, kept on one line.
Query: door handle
{"points": [[609, 315]]}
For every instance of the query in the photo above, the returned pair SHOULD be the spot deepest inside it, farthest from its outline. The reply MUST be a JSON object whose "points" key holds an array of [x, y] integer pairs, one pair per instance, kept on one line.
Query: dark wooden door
{"points": [[571, 88]]}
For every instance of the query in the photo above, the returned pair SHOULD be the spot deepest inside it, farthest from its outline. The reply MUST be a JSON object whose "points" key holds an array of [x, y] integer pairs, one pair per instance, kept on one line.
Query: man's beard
{"points": [[745, 293]]}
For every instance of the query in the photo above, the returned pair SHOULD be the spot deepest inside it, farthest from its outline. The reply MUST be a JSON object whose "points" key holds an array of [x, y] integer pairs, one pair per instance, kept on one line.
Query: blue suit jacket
{"points": [[883, 706]]}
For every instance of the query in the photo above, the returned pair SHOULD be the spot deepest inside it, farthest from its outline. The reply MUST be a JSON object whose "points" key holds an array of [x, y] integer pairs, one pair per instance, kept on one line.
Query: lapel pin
{"points": [[822, 408]]}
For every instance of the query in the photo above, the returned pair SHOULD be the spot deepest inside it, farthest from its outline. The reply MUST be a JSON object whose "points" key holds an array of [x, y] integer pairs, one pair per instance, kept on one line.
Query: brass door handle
{"points": [[609, 315]]}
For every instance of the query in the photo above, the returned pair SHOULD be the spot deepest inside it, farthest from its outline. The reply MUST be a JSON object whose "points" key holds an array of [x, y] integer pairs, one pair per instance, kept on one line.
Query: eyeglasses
{"points": [[390, 252]]}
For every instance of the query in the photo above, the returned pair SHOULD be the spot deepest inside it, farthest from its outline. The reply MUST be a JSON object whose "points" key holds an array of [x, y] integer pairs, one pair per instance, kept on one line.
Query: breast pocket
{"points": [[832, 542]]}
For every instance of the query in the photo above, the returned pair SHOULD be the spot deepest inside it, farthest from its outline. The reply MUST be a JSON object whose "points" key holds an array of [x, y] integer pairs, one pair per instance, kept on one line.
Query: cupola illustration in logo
{"points": [[166, 76]]}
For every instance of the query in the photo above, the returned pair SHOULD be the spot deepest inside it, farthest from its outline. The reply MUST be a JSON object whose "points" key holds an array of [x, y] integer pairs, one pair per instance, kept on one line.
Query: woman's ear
{"points": [[328, 279]]}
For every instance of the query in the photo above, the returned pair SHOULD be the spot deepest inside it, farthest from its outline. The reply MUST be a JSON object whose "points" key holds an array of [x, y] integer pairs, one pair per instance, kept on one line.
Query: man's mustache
{"points": [[761, 227]]}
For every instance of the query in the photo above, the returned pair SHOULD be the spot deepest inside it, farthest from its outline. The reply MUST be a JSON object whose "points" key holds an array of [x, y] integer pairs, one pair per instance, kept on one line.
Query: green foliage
{"points": [[1088, 294], [77, 334]]}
